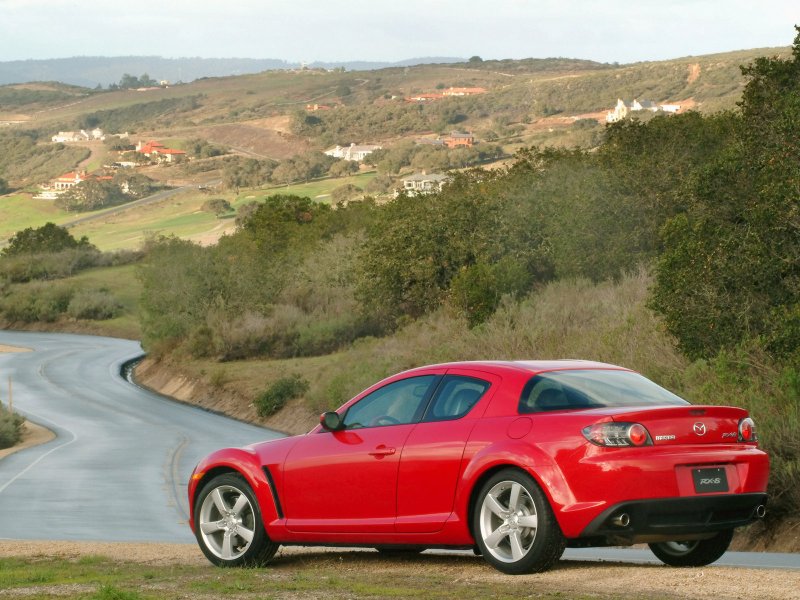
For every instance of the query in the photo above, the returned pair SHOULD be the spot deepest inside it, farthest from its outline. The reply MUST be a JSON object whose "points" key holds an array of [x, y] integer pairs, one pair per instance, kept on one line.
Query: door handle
{"points": [[382, 451]]}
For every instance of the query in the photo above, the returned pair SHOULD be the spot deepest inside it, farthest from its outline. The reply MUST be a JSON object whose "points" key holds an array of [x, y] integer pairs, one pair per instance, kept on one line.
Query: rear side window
{"points": [[595, 388], [455, 397]]}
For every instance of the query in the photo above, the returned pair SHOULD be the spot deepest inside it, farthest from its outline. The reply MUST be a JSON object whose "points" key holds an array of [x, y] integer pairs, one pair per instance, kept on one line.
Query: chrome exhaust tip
{"points": [[761, 510], [622, 520]]}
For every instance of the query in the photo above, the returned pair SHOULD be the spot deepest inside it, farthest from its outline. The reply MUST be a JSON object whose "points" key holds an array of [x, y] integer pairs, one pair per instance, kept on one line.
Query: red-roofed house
{"points": [[157, 151]]}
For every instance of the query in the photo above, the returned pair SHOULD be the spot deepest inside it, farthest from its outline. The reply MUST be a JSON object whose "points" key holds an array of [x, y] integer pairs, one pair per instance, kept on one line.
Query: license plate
{"points": [[710, 480]]}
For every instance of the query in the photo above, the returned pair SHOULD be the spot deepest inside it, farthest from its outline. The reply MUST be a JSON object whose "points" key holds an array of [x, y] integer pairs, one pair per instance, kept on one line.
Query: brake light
{"points": [[747, 430], [617, 434]]}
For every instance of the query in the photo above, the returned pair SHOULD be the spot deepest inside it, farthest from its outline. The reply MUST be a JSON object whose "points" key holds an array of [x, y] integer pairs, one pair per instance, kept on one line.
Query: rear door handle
{"points": [[382, 451]]}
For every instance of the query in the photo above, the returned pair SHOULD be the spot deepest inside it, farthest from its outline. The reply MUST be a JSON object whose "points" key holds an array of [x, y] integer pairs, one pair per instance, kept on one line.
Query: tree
{"points": [[343, 168], [218, 206], [47, 238], [91, 194], [731, 266], [4, 189]]}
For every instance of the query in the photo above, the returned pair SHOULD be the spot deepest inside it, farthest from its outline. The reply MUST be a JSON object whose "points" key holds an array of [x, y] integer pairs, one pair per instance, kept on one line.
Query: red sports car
{"points": [[515, 460]]}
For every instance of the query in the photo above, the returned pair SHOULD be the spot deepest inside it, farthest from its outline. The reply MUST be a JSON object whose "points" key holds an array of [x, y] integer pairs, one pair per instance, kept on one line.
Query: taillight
{"points": [[747, 430], [617, 434]]}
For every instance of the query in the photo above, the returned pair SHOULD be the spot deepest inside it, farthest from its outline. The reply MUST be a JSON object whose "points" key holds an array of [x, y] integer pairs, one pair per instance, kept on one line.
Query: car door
{"points": [[430, 465], [346, 481]]}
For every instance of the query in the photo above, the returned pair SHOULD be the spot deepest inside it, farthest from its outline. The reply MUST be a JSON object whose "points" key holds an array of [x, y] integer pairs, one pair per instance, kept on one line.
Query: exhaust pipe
{"points": [[622, 520], [761, 510]]}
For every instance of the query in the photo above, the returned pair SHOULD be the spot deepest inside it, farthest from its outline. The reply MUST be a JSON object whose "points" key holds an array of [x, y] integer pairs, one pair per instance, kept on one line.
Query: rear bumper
{"points": [[672, 518]]}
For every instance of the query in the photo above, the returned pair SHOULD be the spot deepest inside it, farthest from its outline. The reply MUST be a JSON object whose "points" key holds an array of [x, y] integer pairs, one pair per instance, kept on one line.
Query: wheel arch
{"points": [[523, 457], [244, 464]]}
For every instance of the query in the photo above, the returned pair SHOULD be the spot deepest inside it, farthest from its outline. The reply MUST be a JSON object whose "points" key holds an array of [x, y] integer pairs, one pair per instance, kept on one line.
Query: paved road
{"points": [[118, 468]]}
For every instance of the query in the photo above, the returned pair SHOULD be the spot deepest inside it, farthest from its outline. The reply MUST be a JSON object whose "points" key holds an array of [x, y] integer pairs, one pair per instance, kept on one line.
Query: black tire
{"points": [[514, 526], [228, 524], [693, 553]]}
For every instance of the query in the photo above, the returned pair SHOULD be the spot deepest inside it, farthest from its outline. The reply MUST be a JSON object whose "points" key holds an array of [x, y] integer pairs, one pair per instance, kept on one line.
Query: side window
{"points": [[455, 397], [544, 393], [397, 403]]}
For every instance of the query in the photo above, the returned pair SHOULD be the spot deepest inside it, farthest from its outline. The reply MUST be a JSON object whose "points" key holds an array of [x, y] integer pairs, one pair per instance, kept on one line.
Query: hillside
{"points": [[548, 102]]}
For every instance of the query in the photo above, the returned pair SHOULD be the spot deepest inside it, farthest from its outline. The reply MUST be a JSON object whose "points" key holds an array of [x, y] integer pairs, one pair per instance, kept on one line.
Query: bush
{"points": [[279, 393], [37, 302], [10, 428], [96, 305]]}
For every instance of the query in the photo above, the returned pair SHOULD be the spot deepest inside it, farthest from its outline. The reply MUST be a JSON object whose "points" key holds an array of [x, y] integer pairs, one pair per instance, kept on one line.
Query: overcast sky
{"points": [[390, 30]]}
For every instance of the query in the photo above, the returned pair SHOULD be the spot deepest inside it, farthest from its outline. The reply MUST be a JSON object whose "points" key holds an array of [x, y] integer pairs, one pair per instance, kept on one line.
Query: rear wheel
{"points": [[514, 527], [693, 553], [228, 524]]}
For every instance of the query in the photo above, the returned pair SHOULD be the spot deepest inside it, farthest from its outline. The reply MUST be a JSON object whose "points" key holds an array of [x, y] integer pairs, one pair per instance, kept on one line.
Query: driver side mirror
{"points": [[331, 421]]}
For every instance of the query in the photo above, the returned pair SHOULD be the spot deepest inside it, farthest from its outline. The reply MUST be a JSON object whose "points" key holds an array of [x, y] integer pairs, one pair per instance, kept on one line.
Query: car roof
{"points": [[529, 366]]}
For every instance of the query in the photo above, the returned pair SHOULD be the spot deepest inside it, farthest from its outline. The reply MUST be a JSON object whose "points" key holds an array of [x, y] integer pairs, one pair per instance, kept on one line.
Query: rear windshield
{"points": [[566, 390]]}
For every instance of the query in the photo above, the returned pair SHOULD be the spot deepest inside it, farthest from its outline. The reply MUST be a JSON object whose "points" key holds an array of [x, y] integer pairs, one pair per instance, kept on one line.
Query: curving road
{"points": [[118, 467]]}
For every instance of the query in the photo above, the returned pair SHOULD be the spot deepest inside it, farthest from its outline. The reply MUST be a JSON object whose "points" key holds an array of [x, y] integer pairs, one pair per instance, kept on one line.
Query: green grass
{"points": [[20, 211], [179, 215], [315, 574], [123, 284], [316, 190]]}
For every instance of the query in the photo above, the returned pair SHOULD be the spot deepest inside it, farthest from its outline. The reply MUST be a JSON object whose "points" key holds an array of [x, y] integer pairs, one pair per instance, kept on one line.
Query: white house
{"points": [[623, 109], [78, 136], [424, 183], [353, 152]]}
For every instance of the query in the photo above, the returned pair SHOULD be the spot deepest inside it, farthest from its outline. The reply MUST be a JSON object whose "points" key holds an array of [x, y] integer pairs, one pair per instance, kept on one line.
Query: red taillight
{"points": [[617, 434], [747, 430], [637, 434]]}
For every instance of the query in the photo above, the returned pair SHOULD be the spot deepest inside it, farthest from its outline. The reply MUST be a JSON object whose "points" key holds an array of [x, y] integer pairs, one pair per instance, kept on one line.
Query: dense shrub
{"points": [[48, 238], [36, 302], [10, 428], [95, 305], [279, 393]]}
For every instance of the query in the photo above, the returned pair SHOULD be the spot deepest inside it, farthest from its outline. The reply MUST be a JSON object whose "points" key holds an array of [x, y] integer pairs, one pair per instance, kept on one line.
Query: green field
{"points": [[20, 211], [316, 190]]}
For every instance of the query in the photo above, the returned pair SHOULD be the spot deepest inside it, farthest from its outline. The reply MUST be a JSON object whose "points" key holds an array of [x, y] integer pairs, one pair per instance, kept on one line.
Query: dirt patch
{"points": [[294, 418], [694, 73], [32, 435], [4, 348]]}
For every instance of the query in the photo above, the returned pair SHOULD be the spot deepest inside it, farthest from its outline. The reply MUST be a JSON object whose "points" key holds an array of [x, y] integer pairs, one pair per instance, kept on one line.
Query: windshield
{"points": [[566, 390]]}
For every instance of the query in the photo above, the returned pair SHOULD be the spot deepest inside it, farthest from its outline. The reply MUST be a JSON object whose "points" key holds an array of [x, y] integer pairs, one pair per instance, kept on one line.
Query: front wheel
{"points": [[514, 527], [693, 553], [228, 524]]}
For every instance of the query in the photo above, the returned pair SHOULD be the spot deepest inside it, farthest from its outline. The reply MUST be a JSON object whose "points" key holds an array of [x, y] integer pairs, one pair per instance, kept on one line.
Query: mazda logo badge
{"points": [[700, 428]]}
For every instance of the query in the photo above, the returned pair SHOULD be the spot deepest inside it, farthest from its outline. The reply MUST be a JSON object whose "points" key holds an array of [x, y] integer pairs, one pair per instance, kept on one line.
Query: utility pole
{"points": [[10, 397]]}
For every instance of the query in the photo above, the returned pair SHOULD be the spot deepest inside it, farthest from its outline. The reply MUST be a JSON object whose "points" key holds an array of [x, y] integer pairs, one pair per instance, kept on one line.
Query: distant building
{"points": [[316, 107], [65, 137], [158, 152], [464, 91], [460, 140], [623, 109], [66, 182], [353, 152], [423, 183], [424, 97]]}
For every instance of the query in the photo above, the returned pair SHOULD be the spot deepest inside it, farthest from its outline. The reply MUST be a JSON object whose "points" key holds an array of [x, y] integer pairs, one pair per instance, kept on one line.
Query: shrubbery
{"points": [[279, 393], [10, 428]]}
